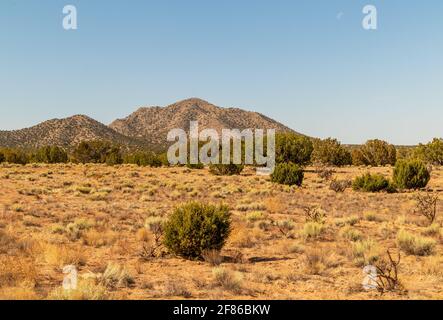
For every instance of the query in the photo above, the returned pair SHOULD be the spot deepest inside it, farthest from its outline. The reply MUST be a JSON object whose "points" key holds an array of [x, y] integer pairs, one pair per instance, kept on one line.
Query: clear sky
{"points": [[306, 63]]}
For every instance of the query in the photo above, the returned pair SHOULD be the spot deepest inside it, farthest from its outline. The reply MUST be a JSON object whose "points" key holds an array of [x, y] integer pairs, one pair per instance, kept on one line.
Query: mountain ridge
{"points": [[147, 127]]}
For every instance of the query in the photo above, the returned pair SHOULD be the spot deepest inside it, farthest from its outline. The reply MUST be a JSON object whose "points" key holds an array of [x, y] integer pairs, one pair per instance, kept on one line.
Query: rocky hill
{"points": [[145, 128], [63, 132], [154, 123]]}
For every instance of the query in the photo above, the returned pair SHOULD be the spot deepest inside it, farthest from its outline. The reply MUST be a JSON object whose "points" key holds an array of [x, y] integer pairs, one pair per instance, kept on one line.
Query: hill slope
{"points": [[62, 132], [154, 123], [145, 128]]}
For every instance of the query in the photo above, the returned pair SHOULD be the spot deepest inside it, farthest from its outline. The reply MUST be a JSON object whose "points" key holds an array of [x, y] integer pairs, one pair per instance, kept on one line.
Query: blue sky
{"points": [[306, 63]]}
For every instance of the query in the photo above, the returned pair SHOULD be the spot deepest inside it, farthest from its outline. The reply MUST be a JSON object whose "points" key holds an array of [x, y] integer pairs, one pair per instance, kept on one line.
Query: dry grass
{"points": [[100, 218]]}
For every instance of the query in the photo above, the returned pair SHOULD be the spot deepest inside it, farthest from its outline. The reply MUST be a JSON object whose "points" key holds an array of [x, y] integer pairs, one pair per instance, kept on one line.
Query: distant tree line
{"points": [[290, 148], [86, 152]]}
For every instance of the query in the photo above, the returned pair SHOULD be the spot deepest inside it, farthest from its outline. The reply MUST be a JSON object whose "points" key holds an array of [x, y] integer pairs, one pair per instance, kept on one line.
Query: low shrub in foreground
{"points": [[372, 183], [225, 169], [194, 228], [412, 174], [415, 245], [288, 173]]}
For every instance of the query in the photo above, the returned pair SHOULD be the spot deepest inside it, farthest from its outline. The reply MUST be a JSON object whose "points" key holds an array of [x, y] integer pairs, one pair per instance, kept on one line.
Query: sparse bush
{"points": [[415, 245], [375, 153], [351, 234], [371, 183], [226, 169], [227, 279], [285, 226], [195, 227], [432, 230], [99, 238], [313, 230], [59, 256], [427, 206], [16, 270], [330, 152], [87, 289], [288, 174], [316, 261], [254, 216], [176, 289], [411, 174], [351, 220], [325, 173], [387, 274], [365, 252], [314, 214], [372, 216], [340, 185], [116, 276], [212, 257], [290, 147]]}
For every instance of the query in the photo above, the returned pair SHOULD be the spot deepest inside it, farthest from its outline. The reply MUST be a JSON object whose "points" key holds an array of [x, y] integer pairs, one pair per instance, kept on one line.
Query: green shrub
{"points": [[197, 166], [51, 154], [97, 152], [288, 174], [290, 147], [2, 156], [143, 159], [375, 153], [411, 174], [195, 227], [371, 183], [15, 156], [225, 169], [330, 152], [431, 152]]}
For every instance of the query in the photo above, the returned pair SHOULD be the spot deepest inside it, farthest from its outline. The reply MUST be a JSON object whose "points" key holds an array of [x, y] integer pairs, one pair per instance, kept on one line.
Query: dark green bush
{"points": [[51, 154], [2, 156], [226, 169], [288, 173], [197, 166], [371, 183], [411, 174], [97, 152], [142, 158], [195, 227], [290, 147], [375, 153], [15, 156], [431, 152], [330, 152]]}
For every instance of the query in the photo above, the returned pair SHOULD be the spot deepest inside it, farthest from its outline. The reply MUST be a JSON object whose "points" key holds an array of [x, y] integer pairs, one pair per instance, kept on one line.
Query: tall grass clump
{"points": [[415, 245]]}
